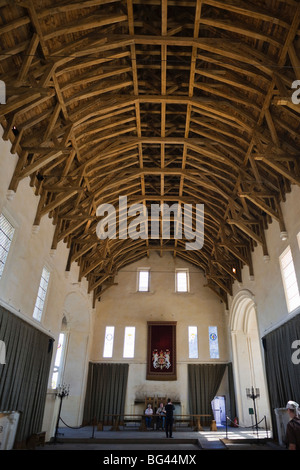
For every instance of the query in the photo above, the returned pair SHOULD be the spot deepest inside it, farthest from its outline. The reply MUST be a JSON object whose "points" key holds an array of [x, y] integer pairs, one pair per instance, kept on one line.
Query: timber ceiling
{"points": [[163, 101]]}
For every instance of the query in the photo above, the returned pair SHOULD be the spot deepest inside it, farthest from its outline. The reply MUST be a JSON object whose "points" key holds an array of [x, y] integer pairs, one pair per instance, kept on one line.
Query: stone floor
{"points": [[88, 438]]}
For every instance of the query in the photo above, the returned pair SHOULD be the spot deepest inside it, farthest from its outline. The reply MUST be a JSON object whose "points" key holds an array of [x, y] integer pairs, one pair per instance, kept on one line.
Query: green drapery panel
{"points": [[232, 402], [204, 381], [283, 373], [106, 391], [24, 377]]}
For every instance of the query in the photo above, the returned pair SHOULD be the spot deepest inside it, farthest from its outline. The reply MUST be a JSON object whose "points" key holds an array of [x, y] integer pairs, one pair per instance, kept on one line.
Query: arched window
{"points": [[289, 279], [59, 357], [41, 296], [6, 235]]}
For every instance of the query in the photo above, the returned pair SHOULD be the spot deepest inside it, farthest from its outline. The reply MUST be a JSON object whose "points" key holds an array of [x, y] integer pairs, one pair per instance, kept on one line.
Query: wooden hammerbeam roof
{"points": [[161, 101]]}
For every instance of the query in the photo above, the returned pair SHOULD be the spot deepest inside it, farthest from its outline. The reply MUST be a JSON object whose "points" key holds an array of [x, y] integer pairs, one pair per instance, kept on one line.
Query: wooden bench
{"points": [[193, 421], [178, 422], [117, 420]]}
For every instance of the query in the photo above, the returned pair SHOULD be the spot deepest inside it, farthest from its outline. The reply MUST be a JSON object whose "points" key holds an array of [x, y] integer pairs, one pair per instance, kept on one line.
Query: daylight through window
{"points": [[56, 376], [289, 280], [193, 342], [143, 280], [6, 235], [182, 284], [213, 342], [109, 341], [41, 297], [129, 338]]}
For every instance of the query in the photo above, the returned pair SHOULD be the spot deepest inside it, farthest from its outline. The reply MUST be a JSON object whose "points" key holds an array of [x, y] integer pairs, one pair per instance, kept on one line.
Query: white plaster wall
{"points": [[266, 291], [122, 306], [19, 285], [267, 287], [77, 313]]}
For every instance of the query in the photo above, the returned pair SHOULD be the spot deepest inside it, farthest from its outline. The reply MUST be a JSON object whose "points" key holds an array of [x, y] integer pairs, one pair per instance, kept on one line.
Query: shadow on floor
{"points": [[88, 438]]}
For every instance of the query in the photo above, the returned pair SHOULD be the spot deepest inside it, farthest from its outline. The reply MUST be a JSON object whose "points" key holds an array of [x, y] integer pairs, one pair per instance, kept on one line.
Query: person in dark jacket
{"points": [[169, 418]]}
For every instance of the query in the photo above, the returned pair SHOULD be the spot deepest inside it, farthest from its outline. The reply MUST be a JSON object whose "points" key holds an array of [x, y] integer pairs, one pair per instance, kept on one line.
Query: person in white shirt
{"points": [[148, 413], [161, 412]]}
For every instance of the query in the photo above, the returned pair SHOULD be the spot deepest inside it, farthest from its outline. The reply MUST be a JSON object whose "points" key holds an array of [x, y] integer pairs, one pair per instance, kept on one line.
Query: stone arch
{"points": [[76, 311], [248, 367]]}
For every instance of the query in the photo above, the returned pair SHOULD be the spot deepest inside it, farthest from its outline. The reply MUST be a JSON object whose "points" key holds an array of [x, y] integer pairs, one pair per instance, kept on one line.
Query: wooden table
{"points": [[191, 419]]}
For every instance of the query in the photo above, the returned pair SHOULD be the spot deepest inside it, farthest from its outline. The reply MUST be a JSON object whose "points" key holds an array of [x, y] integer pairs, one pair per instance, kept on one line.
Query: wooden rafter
{"points": [[185, 101]]}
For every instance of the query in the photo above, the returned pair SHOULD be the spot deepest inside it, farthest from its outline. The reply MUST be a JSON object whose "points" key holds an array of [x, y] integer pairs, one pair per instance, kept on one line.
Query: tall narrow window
{"points": [[213, 342], [182, 280], [57, 371], [193, 342], [143, 280], [129, 338], [41, 297], [109, 341], [6, 236], [289, 280]]}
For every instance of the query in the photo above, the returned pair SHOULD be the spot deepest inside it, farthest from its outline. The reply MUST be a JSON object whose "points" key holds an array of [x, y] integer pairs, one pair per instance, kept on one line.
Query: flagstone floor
{"points": [[88, 438]]}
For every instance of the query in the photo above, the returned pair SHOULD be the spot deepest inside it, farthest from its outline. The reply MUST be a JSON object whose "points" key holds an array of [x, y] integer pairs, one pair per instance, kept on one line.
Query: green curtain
{"points": [[106, 390], [204, 381], [283, 374], [232, 400], [24, 376]]}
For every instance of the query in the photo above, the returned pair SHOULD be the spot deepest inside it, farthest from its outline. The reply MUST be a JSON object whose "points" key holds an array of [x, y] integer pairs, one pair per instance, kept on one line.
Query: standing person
{"points": [[293, 427], [148, 413], [169, 418]]}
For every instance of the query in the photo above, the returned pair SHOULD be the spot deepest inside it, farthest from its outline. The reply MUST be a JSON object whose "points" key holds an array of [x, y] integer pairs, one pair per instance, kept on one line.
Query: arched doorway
{"points": [[248, 365]]}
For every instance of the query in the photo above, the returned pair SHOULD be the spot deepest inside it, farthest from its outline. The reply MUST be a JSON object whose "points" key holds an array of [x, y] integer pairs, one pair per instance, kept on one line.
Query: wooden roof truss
{"points": [[163, 101]]}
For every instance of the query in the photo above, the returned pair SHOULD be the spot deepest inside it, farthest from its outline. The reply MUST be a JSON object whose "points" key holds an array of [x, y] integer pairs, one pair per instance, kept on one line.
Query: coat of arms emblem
{"points": [[161, 359]]}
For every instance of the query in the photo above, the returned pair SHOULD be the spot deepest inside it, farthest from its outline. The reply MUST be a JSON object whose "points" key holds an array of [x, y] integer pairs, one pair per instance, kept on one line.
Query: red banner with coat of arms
{"points": [[161, 357]]}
